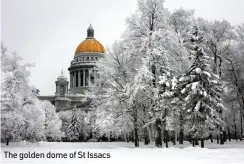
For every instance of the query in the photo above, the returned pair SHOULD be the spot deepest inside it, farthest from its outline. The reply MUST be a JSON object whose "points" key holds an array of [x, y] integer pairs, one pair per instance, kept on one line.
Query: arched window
{"points": [[62, 90]]}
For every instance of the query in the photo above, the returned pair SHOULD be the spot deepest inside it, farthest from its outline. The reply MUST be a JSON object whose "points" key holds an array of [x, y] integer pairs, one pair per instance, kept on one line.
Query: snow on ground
{"points": [[125, 153]]}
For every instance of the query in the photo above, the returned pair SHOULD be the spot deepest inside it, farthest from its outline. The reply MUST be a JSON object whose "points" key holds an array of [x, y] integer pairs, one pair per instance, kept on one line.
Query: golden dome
{"points": [[90, 45]]}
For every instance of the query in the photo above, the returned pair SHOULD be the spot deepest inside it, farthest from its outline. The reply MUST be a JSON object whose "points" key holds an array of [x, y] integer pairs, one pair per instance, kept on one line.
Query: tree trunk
{"points": [[181, 137], [151, 138], [202, 142], [136, 129], [217, 139], [127, 138], [241, 127], [229, 133], [190, 139], [211, 137], [221, 139], [7, 142], [196, 141], [166, 138], [136, 137], [91, 134], [193, 142], [110, 136], [235, 132], [154, 75], [158, 137], [173, 137], [146, 136], [132, 137], [224, 136]]}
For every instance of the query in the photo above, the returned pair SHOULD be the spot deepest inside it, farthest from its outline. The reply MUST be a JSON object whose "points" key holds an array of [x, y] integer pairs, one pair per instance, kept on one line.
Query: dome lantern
{"points": [[90, 32]]}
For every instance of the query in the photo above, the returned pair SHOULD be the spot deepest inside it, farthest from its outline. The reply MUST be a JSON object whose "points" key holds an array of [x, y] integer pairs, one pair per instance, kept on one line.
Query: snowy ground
{"points": [[125, 153]]}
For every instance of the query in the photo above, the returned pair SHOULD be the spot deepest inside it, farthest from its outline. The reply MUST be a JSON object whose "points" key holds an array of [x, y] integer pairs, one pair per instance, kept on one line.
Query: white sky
{"points": [[47, 32]]}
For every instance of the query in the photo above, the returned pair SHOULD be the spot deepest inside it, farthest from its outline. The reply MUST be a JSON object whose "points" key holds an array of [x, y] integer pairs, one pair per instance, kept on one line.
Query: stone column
{"points": [[71, 80], [89, 80], [56, 88], [65, 89], [84, 82], [79, 78], [74, 79]]}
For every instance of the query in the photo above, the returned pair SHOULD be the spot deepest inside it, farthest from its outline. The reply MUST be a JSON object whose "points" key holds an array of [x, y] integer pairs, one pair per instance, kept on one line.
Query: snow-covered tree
{"points": [[77, 127], [158, 48], [23, 116], [65, 117], [201, 89], [34, 118], [174, 116], [110, 105], [219, 36], [53, 123], [14, 88], [233, 75]]}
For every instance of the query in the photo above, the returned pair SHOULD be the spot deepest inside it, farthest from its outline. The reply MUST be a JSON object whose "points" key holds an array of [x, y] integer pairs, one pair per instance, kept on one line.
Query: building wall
{"points": [[62, 103]]}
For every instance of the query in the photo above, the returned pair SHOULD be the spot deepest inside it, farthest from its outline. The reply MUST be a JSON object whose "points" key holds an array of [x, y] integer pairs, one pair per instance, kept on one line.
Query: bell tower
{"points": [[62, 101], [62, 86]]}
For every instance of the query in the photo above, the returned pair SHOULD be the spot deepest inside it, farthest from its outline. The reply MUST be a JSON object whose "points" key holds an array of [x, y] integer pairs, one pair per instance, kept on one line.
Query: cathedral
{"points": [[83, 74]]}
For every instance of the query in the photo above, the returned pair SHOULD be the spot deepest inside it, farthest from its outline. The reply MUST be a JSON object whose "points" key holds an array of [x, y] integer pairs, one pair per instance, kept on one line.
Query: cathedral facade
{"points": [[83, 74]]}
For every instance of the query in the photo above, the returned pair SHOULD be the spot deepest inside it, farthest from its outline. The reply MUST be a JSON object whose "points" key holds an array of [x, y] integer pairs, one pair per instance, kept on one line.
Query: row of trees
{"points": [[171, 72], [23, 116]]}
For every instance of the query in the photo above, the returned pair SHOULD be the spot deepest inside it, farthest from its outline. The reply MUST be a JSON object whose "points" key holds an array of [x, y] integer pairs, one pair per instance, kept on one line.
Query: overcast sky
{"points": [[47, 32]]}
